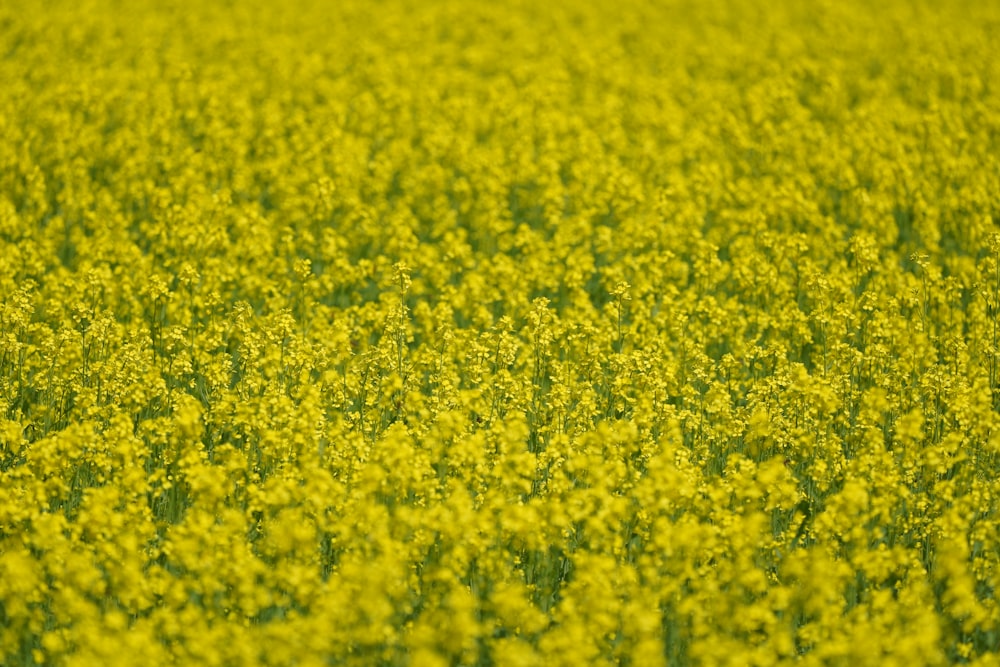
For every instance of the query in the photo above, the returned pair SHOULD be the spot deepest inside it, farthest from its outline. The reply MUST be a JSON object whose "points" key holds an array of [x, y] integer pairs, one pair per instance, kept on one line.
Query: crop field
{"points": [[442, 332]]}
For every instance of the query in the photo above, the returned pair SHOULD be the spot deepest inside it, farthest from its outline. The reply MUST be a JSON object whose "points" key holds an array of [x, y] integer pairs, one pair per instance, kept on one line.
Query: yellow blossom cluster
{"points": [[509, 333]]}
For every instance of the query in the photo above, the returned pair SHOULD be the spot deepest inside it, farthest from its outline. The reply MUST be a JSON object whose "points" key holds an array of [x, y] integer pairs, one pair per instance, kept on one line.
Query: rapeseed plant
{"points": [[499, 334]]}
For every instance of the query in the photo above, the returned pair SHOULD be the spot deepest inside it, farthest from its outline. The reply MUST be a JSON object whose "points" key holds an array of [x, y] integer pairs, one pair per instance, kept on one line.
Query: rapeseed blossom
{"points": [[456, 333]]}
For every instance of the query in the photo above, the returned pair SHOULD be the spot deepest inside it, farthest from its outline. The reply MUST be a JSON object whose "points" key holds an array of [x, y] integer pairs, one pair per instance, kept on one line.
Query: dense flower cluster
{"points": [[499, 333]]}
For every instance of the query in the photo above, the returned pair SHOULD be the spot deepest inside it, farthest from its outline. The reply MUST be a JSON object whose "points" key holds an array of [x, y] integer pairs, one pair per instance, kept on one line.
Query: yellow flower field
{"points": [[442, 332]]}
